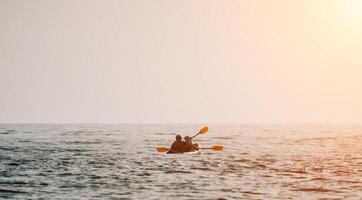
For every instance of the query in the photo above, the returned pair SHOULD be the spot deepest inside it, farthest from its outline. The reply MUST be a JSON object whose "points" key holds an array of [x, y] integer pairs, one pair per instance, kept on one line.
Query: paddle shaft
{"points": [[195, 135]]}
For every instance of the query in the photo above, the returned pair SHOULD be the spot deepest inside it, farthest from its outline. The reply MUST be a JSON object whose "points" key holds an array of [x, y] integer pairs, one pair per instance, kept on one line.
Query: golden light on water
{"points": [[278, 83]]}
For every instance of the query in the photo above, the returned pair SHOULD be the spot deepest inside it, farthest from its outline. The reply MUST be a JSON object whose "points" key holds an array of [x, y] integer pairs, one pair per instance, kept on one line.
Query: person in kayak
{"points": [[188, 141], [181, 146]]}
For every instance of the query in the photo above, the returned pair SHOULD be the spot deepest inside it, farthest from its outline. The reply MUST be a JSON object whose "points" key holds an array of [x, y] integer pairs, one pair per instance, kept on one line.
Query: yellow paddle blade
{"points": [[203, 130], [161, 149], [218, 148]]}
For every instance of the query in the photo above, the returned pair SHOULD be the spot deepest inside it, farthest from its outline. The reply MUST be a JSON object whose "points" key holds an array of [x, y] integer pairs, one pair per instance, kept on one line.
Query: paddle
{"points": [[202, 131], [215, 148], [162, 149]]}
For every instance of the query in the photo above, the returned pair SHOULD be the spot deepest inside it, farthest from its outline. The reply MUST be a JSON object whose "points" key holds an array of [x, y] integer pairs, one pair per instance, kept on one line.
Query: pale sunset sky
{"points": [[181, 61]]}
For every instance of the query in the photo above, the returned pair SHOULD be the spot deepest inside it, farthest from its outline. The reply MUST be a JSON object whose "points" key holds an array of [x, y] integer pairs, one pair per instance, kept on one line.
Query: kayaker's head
{"points": [[187, 139], [178, 138]]}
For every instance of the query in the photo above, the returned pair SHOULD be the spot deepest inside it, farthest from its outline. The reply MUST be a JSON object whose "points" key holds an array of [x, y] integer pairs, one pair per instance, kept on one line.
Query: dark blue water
{"points": [[119, 162]]}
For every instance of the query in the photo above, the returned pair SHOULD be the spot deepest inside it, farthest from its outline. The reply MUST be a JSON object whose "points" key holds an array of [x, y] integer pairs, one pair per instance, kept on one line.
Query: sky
{"points": [[181, 61]]}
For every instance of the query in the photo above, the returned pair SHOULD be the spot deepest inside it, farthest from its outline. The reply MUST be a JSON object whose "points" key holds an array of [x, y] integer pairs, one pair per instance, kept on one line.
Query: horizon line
{"points": [[179, 123]]}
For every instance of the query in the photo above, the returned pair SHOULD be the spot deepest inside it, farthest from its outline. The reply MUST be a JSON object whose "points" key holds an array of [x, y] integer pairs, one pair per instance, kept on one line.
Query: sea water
{"points": [[94, 161]]}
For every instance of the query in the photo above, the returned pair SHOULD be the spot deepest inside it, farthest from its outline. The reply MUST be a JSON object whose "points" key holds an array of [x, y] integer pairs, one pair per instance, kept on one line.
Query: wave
{"points": [[12, 191]]}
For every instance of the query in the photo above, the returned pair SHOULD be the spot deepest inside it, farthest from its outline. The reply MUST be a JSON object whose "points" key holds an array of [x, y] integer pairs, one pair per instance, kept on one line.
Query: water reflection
{"points": [[119, 161]]}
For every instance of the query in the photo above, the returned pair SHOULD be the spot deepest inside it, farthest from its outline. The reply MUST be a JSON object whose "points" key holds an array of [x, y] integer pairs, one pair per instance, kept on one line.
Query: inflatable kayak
{"points": [[196, 151]]}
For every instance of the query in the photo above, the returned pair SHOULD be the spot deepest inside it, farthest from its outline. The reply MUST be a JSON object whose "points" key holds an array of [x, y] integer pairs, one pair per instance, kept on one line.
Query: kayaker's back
{"points": [[181, 146]]}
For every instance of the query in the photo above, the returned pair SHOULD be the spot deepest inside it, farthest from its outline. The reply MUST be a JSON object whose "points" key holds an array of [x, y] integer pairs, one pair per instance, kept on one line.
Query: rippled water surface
{"points": [[119, 162]]}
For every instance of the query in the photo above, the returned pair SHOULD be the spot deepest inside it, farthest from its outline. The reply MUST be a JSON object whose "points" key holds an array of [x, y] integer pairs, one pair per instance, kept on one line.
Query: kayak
{"points": [[196, 151]]}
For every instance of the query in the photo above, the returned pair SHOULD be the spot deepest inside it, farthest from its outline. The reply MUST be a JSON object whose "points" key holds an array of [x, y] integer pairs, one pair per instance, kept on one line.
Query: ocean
{"points": [[119, 161]]}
